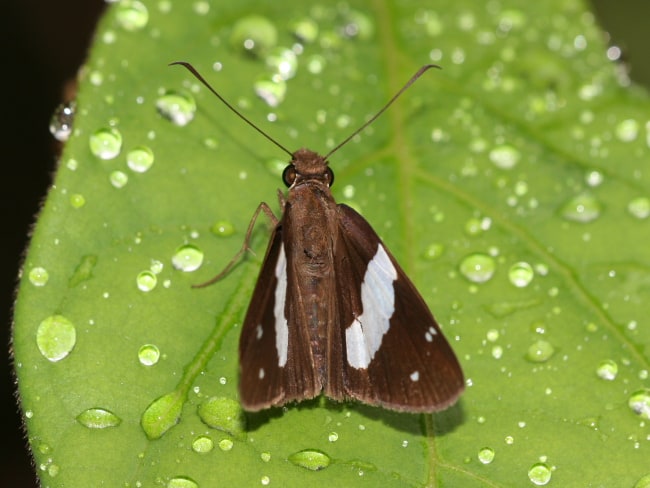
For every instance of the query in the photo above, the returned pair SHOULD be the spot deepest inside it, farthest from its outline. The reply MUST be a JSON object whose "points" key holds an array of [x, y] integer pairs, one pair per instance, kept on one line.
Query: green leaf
{"points": [[512, 186]]}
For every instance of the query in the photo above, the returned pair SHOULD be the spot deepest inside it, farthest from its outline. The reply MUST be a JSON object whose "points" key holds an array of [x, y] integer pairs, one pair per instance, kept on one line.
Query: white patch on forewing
{"points": [[364, 335], [281, 326]]}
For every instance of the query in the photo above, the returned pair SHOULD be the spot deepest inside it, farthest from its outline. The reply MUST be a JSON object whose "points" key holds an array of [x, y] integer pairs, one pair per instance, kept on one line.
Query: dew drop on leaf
{"points": [[283, 63], [305, 30], [38, 276], [98, 418], [540, 351], [639, 207], [202, 444], [105, 143], [254, 35], [177, 107], [581, 208], [505, 156], [639, 403], [61, 121], [521, 274], [222, 228], [478, 267], [182, 482], [56, 336], [312, 459], [146, 281], [131, 15], [140, 159], [118, 179], [148, 354], [270, 90], [627, 130], [607, 370], [486, 455], [539, 474], [187, 258]]}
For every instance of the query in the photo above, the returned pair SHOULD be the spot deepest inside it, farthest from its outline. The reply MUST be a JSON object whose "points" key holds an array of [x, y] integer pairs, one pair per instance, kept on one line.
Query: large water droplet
{"points": [[639, 207], [131, 15], [98, 418], [283, 62], [271, 91], [202, 444], [226, 444], [254, 34], [162, 414], [148, 354], [607, 370], [505, 156], [223, 414], [486, 455], [311, 459], [140, 159], [305, 30], [521, 274], [187, 258], [581, 208], [540, 351], [539, 474], [56, 337], [106, 143], [146, 281], [639, 402], [178, 107], [38, 276], [61, 121], [478, 267], [182, 482], [627, 130]]}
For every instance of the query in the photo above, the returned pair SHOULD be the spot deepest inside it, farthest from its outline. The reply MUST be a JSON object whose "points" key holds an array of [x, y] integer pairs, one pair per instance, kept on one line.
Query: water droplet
{"points": [[265, 480], [486, 455], [131, 15], [118, 179], [434, 251], [594, 178], [316, 64], [271, 91], [223, 228], [505, 156], [182, 482], [639, 207], [202, 444], [146, 281], [359, 25], [607, 370], [225, 444], [643, 482], [540, 351], [478, 267], [56, 337], [223, 414], [539, 474], [178, 107], [265, 456], [187, 258], [333, 437], [162, 414], [639, 402], [148, 354], [77, 200], [581, 208], [106, 143], [521, 274], [311, 459], [61, 121], [627, 130], [98, 418], [140, 159], [283, 62], [305, 30], [254, 35], [38, 276]]}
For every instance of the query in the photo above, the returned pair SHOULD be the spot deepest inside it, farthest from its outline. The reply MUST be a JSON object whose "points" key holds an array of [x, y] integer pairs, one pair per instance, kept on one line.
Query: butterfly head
{"points": [[307, 165]]}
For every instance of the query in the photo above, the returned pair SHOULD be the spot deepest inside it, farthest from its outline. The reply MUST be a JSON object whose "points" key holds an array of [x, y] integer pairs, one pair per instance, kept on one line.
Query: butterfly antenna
{"points": [[196, 74], [413, 79]]}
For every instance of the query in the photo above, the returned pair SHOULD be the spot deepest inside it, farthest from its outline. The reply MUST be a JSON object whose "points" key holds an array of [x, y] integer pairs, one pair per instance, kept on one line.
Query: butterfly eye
{"points": [[289, 175], [330, 177]]}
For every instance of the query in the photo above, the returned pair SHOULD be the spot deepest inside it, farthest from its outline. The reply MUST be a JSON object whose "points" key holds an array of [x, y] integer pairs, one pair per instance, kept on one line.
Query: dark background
{"points": [[43, 43]]}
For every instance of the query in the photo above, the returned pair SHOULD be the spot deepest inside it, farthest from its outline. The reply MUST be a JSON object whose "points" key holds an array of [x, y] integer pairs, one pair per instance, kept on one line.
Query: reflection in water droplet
{"points": [[98, 418], [540, 351], [56, 337], [106, 143], [478, 267], [131, 15], [146, 281], [607, 370], [639, 402], [38, 276], [305, 30], [627, 130], [254, 35], [271, 91], [202, 444], [140, 159], [61, 121], [223, 414], [581, 208], [178, 107], [521, 274], [312, 459], [118, 179], [539, 474], [182, 482], [639, 207], [148, 354], [187, 258], [223, 228], [486, 455], [283, 62], [505, 156]]}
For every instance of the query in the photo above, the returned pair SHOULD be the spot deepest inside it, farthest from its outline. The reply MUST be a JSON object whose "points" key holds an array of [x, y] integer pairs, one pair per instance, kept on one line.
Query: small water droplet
{"points": [[98, 418], [316, 64], [182, 482], [627, 130], [223, 414], [56, 337], [304, 29], [38, 276], [148, 354], [486, 455], [106, 143], [581, 208], [607, 370], [639, 402], [540, 351], [223, 228], [478, 267], [187, 258], [53, 470], [358, 25], [118, 179], [162, 414], [77, 200], [539, 474], [594, 178], [312, 459], [202, 444], [505, 156], [265, 480], [333, 437], [131, 15], [61, 121], [283, 62], [156, 266], [225, 444], [521, 274], [178, 107], [270, 90], [434, 251], [639, 207], [254, 35], [146, 281], [140, 159]]}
